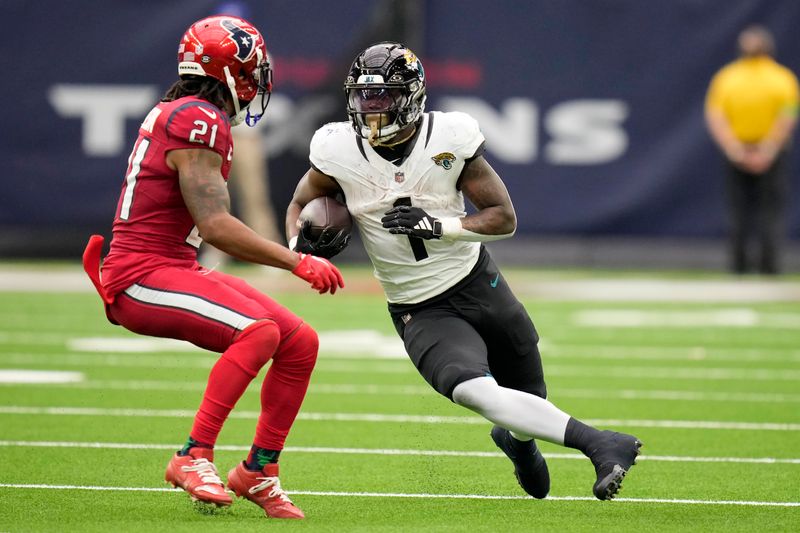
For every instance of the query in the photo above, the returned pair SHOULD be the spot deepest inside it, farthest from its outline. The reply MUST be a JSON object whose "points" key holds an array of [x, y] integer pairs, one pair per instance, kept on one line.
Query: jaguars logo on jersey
{"points": [[444, 160]]}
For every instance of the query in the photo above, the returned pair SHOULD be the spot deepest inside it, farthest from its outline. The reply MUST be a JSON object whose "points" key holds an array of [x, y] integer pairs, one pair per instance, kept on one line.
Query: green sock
{"points": [[191, 443], [259, 457]]}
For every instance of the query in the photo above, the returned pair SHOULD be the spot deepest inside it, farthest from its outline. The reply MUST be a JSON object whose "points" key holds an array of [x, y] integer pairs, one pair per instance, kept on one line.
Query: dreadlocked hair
{"points": [[201, 87]]}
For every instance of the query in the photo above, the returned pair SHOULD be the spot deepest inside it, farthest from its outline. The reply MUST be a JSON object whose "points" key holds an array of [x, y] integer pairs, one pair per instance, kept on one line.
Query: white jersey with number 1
{"points": [[410, 270]]}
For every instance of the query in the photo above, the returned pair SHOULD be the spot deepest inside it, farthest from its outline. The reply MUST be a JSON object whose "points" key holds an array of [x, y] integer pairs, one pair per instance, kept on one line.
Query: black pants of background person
{"points": [[757, 205]]}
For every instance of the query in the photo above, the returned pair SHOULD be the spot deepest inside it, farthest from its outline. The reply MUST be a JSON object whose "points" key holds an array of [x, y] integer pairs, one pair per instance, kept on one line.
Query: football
{"points": [[326, 213]]}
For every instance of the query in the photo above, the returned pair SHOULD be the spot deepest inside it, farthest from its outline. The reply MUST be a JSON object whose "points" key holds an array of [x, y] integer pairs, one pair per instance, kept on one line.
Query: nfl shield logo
{"points": [[399, 177]]}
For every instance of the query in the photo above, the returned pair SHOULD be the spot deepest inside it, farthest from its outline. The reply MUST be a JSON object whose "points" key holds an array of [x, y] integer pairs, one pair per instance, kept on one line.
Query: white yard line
{"points": [[423, 496], [340, 345], [337, 344], [703, 318], [671, 373], [343, 388], [196, 360], [678, 395], [623, 371], [39, 377], [637, 289], [667, 353], [377, 417], [389, 451], [424, 390]]}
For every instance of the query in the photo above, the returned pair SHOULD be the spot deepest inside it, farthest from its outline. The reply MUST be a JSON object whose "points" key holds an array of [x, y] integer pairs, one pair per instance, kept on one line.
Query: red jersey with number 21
{"points": [[153, 227]]}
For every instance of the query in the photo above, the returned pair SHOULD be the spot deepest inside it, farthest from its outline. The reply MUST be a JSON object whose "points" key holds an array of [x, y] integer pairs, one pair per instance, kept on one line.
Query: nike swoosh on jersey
{"points": [[493, 283], [211, 114]]}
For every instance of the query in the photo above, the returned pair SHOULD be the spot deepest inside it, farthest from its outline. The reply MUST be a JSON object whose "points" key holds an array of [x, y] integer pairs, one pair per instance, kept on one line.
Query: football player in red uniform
{"points": [[174, 194]]}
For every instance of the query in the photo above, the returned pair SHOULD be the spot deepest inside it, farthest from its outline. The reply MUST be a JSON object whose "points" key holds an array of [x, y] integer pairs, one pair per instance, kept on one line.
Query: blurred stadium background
{"points": [[593, 114], [592, 111]]}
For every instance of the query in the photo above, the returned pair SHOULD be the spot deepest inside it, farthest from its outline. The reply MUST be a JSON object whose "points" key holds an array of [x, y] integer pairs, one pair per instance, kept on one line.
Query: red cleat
{"points": [[264, 489], [197, 475]]}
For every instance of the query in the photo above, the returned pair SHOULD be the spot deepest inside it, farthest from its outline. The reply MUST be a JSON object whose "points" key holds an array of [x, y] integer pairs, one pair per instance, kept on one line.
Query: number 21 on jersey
{"points": [[197, 134]]}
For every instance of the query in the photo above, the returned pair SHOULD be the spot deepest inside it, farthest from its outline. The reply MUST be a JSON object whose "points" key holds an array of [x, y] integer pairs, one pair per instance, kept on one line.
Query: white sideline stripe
{"points": [[377, 417], [427, 496], [352, 388], [389, 451]]}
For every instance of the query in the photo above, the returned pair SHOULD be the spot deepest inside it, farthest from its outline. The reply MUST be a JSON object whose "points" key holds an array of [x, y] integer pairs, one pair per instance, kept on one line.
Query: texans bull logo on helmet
{"points": [[242, 40]]}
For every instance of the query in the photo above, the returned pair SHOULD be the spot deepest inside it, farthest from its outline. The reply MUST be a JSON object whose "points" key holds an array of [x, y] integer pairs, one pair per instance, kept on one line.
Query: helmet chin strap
{"points": [[238, 112], [252, 120]]}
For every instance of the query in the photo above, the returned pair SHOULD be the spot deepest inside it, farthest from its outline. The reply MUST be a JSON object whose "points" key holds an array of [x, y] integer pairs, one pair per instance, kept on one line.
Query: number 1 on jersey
{"points": [[417, 244]]}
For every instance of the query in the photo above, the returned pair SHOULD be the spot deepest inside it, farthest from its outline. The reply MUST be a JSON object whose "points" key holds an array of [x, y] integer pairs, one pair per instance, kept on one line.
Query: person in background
{"points": [[174, 196], [751, 111]]}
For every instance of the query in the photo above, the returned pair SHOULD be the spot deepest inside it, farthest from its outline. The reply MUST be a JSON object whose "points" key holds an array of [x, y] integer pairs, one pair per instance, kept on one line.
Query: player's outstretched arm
{"points": [[207, 199]]}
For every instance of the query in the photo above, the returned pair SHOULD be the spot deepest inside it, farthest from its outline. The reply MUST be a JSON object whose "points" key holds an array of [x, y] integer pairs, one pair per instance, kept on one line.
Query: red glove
{"points": [[320, 273]]}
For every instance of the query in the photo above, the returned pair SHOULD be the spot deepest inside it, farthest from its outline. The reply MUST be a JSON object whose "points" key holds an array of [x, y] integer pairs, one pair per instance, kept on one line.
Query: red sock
{"points": [[285, 386], [231, 375]]}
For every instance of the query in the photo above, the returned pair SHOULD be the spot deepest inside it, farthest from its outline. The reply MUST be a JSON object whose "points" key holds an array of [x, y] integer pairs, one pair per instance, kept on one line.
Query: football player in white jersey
{"points": [[404, 174]]}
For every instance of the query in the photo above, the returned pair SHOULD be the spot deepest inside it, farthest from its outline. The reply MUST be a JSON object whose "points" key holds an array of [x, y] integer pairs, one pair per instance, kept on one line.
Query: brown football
{"points": [[326, 213]]}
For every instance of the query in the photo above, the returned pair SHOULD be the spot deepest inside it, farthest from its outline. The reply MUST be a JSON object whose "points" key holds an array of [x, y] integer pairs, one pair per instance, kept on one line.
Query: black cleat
{"points": [[612, 456], [530, 467]]}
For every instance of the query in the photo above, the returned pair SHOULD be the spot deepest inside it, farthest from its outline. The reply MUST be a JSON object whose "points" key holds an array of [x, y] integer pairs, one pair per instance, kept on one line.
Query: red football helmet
{"points": [[231, 50]]}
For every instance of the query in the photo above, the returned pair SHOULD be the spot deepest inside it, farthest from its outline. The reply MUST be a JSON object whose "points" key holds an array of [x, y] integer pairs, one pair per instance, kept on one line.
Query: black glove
{"points": [[329, 243], [409, 220]]}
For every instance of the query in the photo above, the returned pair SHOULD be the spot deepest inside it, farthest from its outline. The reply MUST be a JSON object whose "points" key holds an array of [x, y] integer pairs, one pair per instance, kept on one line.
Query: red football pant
{"points": [[222, 313]]}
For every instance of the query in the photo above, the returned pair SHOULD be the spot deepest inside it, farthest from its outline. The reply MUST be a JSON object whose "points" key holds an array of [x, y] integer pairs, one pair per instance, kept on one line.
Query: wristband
{"points": [[451, 228]]}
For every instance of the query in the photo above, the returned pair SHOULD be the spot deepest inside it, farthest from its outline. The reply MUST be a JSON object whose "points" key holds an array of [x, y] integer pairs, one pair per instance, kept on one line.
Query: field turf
{"points": [[710, 385]]}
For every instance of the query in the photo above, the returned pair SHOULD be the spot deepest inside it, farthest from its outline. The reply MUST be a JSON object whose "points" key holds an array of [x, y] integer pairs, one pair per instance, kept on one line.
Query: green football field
{"points": [[704, 369]]}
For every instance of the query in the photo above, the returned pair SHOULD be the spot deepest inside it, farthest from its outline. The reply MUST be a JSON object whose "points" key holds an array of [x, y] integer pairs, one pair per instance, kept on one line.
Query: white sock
{"points": [[526, 415]]}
